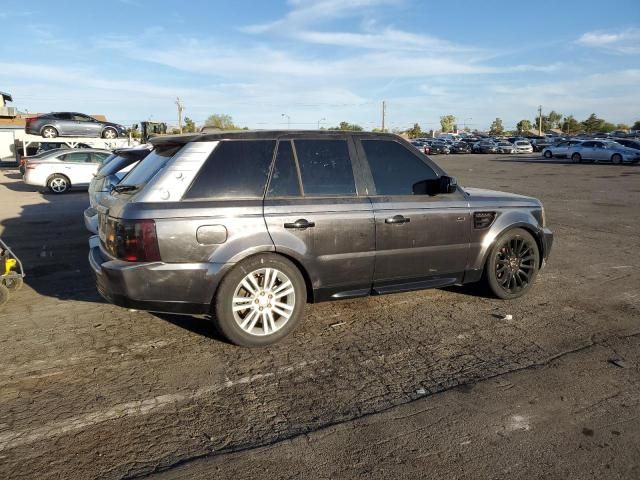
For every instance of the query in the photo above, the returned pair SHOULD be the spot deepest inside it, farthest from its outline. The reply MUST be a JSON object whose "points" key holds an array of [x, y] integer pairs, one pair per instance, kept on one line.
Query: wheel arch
{"points": [[254, 253], [59, 175]]}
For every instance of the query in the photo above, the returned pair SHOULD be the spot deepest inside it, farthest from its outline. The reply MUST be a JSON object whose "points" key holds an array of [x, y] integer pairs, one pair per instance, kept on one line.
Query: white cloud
{"points": [[304, 12], [625, 41]]}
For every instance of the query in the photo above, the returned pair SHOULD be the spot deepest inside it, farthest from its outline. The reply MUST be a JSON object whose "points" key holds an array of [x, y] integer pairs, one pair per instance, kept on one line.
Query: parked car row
{"points": [[617, 152], [443, 145]]}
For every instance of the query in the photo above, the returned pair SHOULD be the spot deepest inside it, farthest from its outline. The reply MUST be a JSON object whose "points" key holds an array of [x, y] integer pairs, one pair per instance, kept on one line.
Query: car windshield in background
{"points": [[117, 162], [148, 167]]}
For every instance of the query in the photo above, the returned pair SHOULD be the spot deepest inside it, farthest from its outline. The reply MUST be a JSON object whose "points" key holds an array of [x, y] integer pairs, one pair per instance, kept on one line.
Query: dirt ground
{"points": [[431, 384]]}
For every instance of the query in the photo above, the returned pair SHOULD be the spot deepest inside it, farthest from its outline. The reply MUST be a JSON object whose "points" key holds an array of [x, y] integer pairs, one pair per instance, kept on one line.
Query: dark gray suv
{"points": [[249, 226]]}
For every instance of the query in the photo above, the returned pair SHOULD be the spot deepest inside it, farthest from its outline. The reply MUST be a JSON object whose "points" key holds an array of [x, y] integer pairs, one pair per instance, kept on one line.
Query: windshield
{"points": [[152, 164]]}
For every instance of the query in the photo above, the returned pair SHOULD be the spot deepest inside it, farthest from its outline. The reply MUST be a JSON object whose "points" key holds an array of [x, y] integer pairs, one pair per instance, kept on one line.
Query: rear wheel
{"points": [[548, 154], [13, 283], [512, 265], [260, 301], [58, 184], [576, 158], [49, 132], [616, 159]]}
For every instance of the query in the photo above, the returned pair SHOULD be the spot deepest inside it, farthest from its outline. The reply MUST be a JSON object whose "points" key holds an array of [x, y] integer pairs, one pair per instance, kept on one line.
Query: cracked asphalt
{"points": [[424, 384]]}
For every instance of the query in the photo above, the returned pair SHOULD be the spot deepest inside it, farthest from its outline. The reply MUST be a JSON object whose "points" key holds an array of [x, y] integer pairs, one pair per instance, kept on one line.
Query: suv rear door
{"points": [[317, 212], [421, 240]]}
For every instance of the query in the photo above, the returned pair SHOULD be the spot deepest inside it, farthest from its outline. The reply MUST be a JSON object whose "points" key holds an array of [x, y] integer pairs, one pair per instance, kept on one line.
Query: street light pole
{"points": [[288, 120], [321, 120]]}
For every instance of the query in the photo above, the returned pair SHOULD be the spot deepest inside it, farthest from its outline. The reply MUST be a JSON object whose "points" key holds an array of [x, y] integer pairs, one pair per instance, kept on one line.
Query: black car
{"points": [[461, 147], [635, 144]]}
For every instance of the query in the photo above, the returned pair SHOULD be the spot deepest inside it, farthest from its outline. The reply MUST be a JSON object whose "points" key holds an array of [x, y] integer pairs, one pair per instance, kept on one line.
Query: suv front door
{"points": [[421, 240], [316, 213]]}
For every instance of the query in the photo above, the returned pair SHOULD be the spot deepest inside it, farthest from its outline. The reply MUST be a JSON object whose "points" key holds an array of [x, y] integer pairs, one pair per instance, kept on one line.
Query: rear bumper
{"points": [[160, 287], [547, 243], [91, 220]]}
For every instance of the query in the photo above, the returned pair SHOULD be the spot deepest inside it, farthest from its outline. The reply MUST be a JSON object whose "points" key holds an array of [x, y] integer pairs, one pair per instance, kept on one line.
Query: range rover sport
{"points": [[250, 226]]}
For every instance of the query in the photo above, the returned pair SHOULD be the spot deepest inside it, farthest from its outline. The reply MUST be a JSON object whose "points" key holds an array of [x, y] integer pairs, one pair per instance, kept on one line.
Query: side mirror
{"points": [[134, 126], [448, 184]]}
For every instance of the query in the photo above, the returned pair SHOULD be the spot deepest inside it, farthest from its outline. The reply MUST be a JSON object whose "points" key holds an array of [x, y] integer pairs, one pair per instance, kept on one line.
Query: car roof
{"points": [[260, 134]]}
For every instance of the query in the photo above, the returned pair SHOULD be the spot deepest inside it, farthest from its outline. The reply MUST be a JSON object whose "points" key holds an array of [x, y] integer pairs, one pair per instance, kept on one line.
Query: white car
{"points": [[506, 147], [522, 146], [68, 168]]}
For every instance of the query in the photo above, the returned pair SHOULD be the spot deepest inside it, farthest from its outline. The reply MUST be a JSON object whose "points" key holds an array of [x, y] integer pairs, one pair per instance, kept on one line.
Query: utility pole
{"points": [[540, 120], [384, 111], [180, 108], [288, 120], [320, 121]]}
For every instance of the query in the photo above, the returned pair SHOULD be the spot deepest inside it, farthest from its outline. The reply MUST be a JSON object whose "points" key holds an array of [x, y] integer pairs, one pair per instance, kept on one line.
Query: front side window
{"points": [[78, 117], [235, 169], [394, 168], [325, 167]]}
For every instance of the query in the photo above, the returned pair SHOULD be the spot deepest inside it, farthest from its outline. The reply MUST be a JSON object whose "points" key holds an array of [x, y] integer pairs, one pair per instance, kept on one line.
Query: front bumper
{"points": [[159, 287]]}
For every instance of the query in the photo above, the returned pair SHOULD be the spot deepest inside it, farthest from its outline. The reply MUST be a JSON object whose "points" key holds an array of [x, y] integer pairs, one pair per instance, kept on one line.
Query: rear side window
{"points": [[394, 168], [284, 180], [235, 169], [325, 167], [150, 166]]}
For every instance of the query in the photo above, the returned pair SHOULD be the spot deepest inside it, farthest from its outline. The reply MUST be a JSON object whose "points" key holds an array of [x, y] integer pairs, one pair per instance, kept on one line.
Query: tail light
{"points": [[132, 240], [30, 166]]}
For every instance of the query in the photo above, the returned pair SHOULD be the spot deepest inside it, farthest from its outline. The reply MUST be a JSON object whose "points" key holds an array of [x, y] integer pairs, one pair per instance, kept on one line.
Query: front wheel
{"points": [[513, 264], [576, 158], [617, 159], [260, 301], [109, 133], [548, 154], [13, 283], [58, 184]]}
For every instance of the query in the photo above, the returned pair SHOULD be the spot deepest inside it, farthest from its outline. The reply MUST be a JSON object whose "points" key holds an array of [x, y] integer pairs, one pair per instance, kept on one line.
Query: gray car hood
{"points": [[486, 198]]}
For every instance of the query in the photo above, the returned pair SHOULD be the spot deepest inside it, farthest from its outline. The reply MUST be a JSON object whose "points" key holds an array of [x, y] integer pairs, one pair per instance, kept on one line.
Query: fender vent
{"points": [[482, 220]]}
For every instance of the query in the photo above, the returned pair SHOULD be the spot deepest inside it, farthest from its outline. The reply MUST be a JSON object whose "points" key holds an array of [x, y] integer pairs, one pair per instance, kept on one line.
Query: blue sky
{"points": [[324, 59]]}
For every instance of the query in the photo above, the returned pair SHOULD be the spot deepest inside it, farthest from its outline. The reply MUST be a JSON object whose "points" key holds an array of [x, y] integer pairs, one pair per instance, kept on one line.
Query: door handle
{"points": [[301, 223], [397, 219]]}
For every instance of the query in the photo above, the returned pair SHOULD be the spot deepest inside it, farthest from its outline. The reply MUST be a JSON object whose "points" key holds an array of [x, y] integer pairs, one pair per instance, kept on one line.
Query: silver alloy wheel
{"points": [[263, 301], [109, 133], [49, 132], [58, 185]]}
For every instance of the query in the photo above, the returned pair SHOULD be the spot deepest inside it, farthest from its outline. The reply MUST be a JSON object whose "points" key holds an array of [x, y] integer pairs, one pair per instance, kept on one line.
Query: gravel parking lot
{"points": [[423, 384]]}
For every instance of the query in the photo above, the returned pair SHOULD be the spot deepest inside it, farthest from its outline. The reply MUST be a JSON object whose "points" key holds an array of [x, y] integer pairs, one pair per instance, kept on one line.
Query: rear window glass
{"points": [[150, 166], [325, 167], [235, 169]]}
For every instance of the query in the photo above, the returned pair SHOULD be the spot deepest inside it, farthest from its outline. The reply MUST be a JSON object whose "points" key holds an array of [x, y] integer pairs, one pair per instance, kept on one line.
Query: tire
{"points": [[260, 322], [49, 132], [576, 158], [4, 295], [548, 154], [13, 284], [616, 159], [512, 265], [58, 184], [109, 133]]}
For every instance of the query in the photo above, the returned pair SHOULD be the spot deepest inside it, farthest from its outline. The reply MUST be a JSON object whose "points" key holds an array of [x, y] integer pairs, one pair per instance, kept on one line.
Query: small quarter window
{"points": [[284, 180]]}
